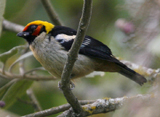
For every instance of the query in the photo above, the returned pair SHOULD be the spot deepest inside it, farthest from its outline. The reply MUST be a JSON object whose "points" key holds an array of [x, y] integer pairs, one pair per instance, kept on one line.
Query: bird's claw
{"points": [[72, 85]]}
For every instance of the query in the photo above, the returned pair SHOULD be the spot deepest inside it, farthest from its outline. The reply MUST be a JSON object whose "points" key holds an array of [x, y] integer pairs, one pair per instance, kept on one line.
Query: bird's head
{"points": [[35, 28]]}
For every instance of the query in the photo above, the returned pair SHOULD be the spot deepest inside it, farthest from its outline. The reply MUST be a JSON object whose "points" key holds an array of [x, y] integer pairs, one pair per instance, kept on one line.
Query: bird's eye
{"points": [[32, 28]]}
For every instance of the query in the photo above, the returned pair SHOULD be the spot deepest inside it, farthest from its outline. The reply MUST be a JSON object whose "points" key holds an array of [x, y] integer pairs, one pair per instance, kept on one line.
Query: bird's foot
{"points": [[72, 85]]}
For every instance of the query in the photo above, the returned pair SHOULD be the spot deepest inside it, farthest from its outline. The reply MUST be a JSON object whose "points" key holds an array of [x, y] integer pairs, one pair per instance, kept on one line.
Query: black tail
{"points": [[124, 70]]}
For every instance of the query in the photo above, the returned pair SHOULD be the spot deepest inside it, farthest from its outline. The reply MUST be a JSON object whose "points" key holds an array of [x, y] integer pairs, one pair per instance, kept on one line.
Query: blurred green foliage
{"points": [[104, 15]]}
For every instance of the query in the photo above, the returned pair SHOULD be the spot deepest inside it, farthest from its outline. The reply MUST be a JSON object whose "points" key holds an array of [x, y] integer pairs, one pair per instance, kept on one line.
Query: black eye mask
{"points": [[31, 28]]}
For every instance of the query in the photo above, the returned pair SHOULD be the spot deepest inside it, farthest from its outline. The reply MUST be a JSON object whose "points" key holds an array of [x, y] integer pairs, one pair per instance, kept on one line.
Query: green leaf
{"points": [[4, 56], [24, 56], [2, 8], [17, 90], [4, 89]]}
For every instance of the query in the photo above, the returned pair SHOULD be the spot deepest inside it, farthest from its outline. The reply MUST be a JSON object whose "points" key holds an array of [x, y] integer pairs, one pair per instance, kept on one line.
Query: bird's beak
{"points": [[23, 34]]}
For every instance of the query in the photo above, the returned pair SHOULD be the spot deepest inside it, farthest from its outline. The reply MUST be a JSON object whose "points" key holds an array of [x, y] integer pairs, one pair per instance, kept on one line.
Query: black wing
{"points": [[90, 46], [95, 48]]}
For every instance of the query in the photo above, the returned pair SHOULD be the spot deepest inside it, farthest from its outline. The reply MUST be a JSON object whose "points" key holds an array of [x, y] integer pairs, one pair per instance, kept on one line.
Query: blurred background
{"points": [[129, 27]]}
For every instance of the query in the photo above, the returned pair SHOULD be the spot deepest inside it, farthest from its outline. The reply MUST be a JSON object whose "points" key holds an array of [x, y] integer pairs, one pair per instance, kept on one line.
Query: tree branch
{"points": [[12, 26], [72, 55], [91, 107], [56, 110], [51, 12], [104, 105]]}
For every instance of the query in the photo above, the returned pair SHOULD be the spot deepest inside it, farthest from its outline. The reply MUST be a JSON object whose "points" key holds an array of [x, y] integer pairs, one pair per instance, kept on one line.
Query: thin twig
{"points": [[35, 69], [56, 110], [34, 100], [25, 102], [3, 68], [72, 55], [51, 12], [9, 83], [21, 63], [22, 57], [11, 76], [21, 67]]}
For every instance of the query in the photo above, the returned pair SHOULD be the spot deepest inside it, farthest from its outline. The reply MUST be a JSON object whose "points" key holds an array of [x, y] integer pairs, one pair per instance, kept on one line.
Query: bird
{"points": [[50, 45]]}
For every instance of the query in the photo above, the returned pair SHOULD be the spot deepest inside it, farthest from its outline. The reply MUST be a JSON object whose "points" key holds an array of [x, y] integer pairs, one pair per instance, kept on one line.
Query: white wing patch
{"points": [[87, 41], [65, 37]]}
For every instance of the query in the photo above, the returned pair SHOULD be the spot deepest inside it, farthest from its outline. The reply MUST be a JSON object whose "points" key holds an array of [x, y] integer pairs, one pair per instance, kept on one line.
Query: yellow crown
{"points": [[48, 26]]}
